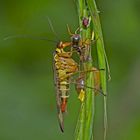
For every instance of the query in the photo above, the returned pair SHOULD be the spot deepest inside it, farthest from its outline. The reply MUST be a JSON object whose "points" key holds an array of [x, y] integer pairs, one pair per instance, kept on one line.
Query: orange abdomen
{"points": [[64, 104]]}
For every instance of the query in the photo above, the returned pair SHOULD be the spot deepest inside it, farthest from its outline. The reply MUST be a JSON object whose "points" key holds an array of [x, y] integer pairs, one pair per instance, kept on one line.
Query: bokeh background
{"points": [[27, 94]]}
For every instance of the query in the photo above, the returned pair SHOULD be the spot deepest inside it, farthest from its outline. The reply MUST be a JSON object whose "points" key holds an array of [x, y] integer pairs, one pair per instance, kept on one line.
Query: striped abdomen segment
{"points": [[65, 67]]}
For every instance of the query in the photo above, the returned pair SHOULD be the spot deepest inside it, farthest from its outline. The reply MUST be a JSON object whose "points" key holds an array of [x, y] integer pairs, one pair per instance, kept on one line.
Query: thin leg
{"points": [[85, 86]]}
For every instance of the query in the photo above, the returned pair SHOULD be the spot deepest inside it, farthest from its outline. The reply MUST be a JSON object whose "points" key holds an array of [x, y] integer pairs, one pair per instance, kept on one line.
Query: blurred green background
{"points": [[27, 94]]}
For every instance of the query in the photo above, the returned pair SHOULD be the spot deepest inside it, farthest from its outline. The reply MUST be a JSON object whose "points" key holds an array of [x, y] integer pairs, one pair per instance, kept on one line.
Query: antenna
{"points": [[52, 28], [36, 38], [28, 37]]}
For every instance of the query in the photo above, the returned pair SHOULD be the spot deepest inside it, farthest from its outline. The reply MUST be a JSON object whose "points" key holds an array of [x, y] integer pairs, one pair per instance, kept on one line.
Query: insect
{"points": [[83, 50], [64, 68]]}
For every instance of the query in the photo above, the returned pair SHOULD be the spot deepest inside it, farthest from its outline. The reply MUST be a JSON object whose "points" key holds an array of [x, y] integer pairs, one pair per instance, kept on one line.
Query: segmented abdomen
{"points": [[65, 67]]}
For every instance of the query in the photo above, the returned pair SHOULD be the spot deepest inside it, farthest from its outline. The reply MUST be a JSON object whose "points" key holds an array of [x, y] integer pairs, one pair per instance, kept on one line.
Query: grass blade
{"points": [[85, 121], [84, 129], [102, 59]]}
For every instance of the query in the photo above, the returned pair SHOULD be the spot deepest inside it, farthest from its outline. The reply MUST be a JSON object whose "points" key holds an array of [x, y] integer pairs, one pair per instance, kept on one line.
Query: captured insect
{"points": [[83, 49], [79, 46]]}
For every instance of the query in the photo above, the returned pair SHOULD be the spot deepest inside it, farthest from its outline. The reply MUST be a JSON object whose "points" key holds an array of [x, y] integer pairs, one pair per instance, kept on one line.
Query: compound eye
{"points": [[76, 38]]}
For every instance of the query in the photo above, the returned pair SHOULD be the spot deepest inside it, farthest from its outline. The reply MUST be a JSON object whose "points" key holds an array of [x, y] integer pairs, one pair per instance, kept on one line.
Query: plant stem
{"points": [[87, 8], [85, 121], [102, 58]]}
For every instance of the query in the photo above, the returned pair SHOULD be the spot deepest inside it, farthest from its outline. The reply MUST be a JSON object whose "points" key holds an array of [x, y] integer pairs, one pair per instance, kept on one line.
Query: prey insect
{"points": [[82, 47], [79, 45]]}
